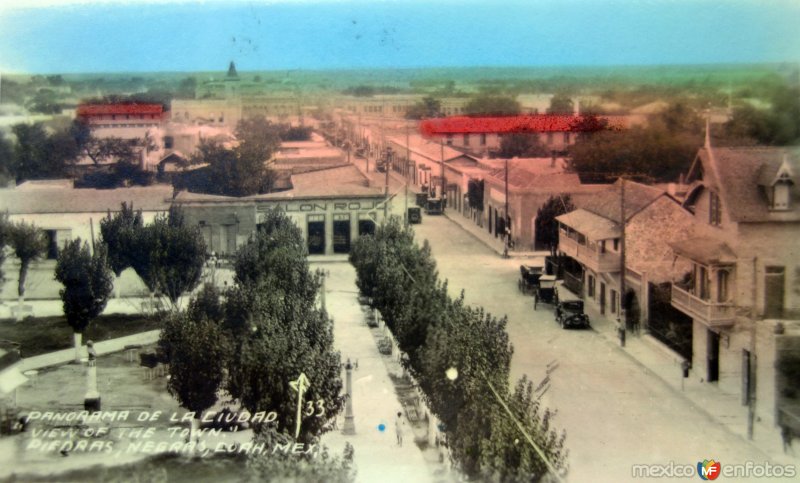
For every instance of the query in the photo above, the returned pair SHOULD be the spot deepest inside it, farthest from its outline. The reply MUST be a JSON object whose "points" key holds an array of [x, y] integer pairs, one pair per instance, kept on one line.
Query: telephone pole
{"points": [[506, 228], [621, 310]]}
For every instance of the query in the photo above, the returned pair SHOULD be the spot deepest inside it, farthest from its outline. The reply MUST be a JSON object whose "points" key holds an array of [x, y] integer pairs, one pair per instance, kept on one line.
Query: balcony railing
{"points": [[712, 314], [588, 256]]}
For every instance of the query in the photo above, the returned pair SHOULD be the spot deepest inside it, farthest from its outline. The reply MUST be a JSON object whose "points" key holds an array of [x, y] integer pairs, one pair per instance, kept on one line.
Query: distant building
{"points": [[331, 206], [482, 135]]}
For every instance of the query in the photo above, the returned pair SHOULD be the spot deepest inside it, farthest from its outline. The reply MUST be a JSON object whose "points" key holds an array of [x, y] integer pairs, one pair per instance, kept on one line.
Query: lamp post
{"points": [[91, 402], [620, 310], [349, 422]]}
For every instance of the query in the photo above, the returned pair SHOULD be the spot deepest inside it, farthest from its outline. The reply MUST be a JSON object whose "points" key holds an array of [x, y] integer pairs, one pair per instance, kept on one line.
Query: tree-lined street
{"points": [[614, 412]]}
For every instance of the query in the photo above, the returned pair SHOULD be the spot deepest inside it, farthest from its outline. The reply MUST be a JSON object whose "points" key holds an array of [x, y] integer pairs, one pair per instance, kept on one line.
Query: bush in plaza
{"points": [[87, 284], [460, 356]]}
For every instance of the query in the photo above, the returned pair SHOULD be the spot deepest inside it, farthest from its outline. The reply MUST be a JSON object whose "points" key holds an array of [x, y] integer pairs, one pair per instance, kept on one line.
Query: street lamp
{"points": [[349, 420]]}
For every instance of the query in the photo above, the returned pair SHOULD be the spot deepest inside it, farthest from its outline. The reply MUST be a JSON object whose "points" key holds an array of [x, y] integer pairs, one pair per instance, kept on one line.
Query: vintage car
{"points": [[414, 215], [434, 206], [546, 291], [529, 278], [569, 311]]}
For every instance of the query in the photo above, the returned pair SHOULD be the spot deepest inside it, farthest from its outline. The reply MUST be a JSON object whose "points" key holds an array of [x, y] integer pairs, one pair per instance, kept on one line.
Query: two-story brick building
{"points": [[741, 288], [593, 235]]}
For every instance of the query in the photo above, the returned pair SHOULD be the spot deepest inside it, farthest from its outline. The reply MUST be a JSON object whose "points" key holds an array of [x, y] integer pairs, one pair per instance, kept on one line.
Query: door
{"points": [[774, 282], [747, 388], [602, 298], [712, 356], [366, 227], [316, 237], [341, 234]]}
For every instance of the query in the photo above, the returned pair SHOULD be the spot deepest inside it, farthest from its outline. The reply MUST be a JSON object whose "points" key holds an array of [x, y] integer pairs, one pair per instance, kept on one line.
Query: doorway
{"points": [[774, 283], [341, 233], [712, 356], [602, 298], [316, 235]]}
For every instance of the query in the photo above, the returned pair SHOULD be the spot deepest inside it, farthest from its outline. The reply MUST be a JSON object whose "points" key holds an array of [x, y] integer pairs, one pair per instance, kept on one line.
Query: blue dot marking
{"points": [[381, 427]]}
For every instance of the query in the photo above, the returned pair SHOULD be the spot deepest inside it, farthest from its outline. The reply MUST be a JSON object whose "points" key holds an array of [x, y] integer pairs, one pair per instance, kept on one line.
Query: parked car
{"points": [[569, 312], [529, 278], [434, 206], [546, 291], [414, 215]]}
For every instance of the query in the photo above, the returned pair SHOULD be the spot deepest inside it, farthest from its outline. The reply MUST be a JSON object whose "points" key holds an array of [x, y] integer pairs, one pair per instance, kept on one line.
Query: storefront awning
{"points": [[706, 250]]}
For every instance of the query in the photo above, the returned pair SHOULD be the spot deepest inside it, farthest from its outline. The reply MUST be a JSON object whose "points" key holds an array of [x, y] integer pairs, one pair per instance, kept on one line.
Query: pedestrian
{"points": [[399, 427], [787, 435]]}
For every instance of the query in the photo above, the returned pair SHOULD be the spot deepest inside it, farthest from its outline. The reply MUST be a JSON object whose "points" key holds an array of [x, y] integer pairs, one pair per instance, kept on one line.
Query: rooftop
{"points": [[738, 171], [510, 124], [606, 202], [60, 199], [85, 110], [593, 226]]}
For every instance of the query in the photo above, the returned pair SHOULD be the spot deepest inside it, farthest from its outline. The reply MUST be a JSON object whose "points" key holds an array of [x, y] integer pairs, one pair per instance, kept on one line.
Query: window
{"points": [[723, 278], [566, 138], [52, 244], [549, 138], [483, 139], [168, 142], [616, 244], [714, 209], [466, 139], [613, 301], [449, 139]]}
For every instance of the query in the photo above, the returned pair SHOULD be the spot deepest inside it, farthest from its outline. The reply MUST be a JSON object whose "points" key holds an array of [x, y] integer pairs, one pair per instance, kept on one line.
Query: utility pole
{"points": [[405, 170], [441, 164], [386, 165], [507, 233], [620, 310]]}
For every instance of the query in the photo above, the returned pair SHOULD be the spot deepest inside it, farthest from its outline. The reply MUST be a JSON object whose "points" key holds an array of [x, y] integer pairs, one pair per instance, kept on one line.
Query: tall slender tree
{"points": [[117, 233], [87, 284], [28, 244]]}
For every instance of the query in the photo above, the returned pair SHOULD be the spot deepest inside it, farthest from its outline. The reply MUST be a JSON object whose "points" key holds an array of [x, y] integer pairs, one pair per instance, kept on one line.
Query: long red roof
{"points": [[512, 124], [86, 110]]}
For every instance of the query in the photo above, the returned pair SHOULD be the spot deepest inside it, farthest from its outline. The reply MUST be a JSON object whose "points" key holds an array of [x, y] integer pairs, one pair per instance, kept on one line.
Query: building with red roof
{"points": [[482, 135]]}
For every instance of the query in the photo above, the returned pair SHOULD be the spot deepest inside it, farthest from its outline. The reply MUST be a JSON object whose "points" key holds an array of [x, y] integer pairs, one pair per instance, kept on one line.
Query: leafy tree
{"points": [[492, 105], [206, 304], [321, 468], [4, 238], [38, 154], [258, 137], [521, 145], [546, 224], [295, 133], [44, 102], [476, 345], [87, 285], [426, 108], [28, 244], [101, 150], [6, 158], [117, 233], [606, 155], [507, 455], [168, 256], [239, 171], [277, 236], [197, 352], [561, 104]]}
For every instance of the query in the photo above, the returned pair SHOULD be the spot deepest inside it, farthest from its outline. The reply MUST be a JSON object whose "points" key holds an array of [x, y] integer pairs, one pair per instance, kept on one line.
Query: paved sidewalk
{"points": [[481, 234], [377, 456], [723, 408]]}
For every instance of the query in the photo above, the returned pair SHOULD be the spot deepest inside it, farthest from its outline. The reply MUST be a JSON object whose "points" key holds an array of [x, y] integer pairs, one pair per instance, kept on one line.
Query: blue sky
{"points": [[324, 34]]}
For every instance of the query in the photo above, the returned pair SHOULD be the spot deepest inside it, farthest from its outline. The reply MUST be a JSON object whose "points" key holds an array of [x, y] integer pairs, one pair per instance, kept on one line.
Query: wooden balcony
{"points": [[588, 256], [712, 314]]}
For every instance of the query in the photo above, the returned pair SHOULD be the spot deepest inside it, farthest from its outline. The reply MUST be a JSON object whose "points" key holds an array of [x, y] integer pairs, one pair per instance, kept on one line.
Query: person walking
{"points": [[399, 428]]}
